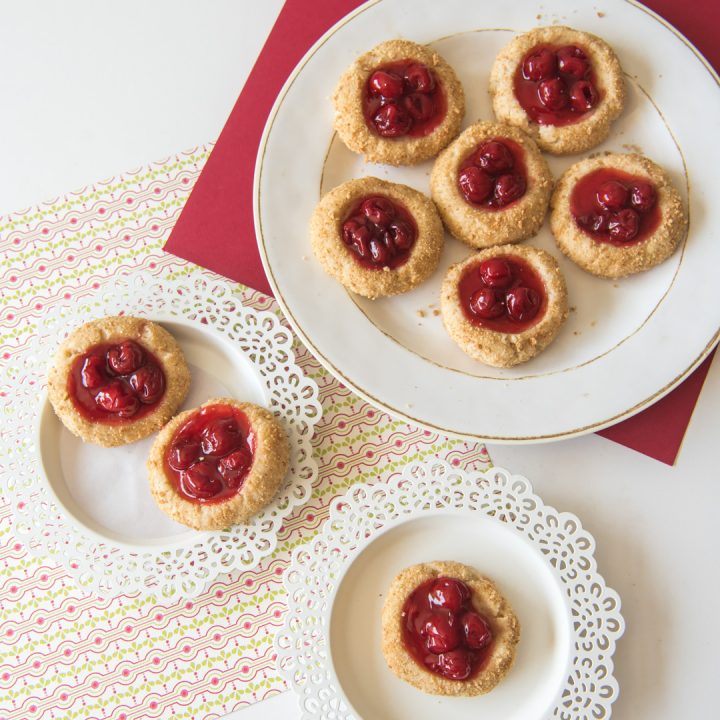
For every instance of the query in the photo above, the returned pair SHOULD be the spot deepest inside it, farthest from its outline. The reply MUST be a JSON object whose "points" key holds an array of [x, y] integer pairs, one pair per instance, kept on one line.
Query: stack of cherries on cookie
{"points": [[554, 89], [119, 379]]}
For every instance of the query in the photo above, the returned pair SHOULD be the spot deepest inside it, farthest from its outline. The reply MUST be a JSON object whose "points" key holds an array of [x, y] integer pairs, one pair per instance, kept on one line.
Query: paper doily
{"points": [[317, 568], [107, 567]]}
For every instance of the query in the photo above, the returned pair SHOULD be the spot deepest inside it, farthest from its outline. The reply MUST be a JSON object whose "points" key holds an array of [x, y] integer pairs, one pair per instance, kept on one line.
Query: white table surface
{"points": [[93, 89]]}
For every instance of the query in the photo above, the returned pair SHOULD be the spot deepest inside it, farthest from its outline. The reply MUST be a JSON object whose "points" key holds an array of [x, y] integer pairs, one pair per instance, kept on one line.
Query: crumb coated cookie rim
{"points": [[587, 132], [607, 260], [486, 599], [338, 261], [474, 226], [499, 349], [269, 468], [112, 329], [350, 122]]}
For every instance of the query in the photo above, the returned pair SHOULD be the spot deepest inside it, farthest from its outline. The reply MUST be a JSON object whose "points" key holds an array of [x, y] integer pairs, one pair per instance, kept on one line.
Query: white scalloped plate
{"points": [[330, 647], [631, 335], [90, 508], [105, 490]]}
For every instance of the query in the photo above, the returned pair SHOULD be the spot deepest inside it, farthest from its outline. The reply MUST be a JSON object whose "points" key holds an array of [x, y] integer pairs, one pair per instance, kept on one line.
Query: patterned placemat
{"points": [[65, 654]]}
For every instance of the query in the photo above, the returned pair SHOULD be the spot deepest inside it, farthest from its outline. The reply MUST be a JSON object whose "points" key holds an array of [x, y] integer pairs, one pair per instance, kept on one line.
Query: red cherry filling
{"points": [[448, 593], [92, 372], [493, 175], [613, 206], [553, 94], [114, 398], [443, 632], [522, 304], [210, 454], [115, 383], [148, 382], [487, 304], [556, 85], [386, 84], [540, 64], [643, 196], [503, 294], [125, 357], [478, 634], [403, 98], [379, 232], [496, 273]]}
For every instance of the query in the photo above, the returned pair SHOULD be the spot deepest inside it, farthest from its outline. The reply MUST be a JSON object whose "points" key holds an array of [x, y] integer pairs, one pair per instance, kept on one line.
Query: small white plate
{"points": [[627, 342], [520, 571], [105, 490], [90, 507], [542, 561]]}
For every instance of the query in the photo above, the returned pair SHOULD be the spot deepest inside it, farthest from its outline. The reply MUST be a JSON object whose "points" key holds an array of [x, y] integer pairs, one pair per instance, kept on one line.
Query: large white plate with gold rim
{"points": [[627, 342]]}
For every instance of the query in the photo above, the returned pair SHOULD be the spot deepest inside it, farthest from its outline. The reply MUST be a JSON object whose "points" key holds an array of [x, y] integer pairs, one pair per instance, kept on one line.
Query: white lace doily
{"points": [[317, 568], [106, 567]]}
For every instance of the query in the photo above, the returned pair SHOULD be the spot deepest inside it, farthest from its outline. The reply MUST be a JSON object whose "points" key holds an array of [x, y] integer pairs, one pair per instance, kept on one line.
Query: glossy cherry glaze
{"points": [[614, 207], [404, 98], [442, 630], [556, 85], [210, 454], [493, 175], [379, 232], [116, 383], [503, 294]]}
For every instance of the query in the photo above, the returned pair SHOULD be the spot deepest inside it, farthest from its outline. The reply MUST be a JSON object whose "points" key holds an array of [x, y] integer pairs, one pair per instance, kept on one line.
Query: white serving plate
{"points": [[627, 342]]}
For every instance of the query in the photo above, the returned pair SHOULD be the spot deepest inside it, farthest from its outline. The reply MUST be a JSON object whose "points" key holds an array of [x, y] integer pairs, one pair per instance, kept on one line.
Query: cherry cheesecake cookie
{"points": [[562, 86], [375, 237], [117, 379], [447, 630], [503, 306], [398, 104], [617, 214], [218, 464], [491, 185]]}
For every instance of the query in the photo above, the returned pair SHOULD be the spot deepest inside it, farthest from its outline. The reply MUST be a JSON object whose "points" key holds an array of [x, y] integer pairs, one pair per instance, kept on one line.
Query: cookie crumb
{"points": [[600, 14], [633, 148], [421, 313], [576, 332], [436, 312], [573, 308]]}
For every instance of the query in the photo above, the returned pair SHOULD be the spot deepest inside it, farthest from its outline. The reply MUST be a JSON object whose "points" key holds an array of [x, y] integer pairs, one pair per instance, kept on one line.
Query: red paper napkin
{"points": [[216, 227]]}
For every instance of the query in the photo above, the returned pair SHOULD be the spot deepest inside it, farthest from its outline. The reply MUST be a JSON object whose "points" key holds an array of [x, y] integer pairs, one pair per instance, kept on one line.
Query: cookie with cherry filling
{"points": [[375, 237], [491, 185], [447, 630], [617, 214], [504, 305], [398, 104], [219, 464], [562, 86], [117, 379]]}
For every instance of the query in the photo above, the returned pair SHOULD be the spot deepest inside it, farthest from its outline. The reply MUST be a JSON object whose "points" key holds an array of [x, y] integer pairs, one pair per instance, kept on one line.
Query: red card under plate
{"points": [[219, 210]]}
